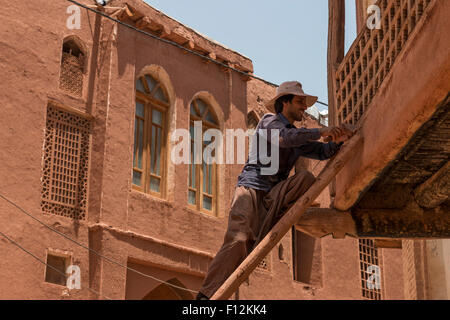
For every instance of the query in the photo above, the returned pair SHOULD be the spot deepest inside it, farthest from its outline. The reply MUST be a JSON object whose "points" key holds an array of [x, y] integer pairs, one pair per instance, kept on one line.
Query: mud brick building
{"points": [[85, 149]]}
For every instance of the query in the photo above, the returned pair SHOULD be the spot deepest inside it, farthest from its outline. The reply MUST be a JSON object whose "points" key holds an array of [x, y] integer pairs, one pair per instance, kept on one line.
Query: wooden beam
{"points": [[117, 13], [360, 14], [143, 22], [388, 244], [435, 190], [189, 45], [289, 219], [410, 222], [127, 13], [163, 32], [320, 222], [336, 47]]}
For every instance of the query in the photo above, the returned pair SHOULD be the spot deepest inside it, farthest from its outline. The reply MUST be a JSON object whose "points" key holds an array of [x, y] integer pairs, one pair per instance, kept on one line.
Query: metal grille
{"points": [[71, 79], [370, 270], [66, 158]]}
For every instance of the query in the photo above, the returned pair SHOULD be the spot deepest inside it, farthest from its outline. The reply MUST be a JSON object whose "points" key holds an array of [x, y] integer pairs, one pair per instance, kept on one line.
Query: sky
{"points": [[285, 39]]}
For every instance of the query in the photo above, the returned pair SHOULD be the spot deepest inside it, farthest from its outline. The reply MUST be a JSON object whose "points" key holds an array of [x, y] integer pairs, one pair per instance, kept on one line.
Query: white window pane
{"points": [[192, 168], [155, 184], [210, 117], [191, 197], [136, 178], [139, 109], [210, 179], [135, 142], [201, 106], [140, 86], [141, 143], [158, 151], [193, 112], [157, 117], [152, 150], [159, 94], [207, 203], [204, 175], [151, 83]]}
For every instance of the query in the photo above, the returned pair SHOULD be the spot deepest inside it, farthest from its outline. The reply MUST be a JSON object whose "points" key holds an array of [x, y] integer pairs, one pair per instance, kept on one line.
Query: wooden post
{"points": [[435, 190], [336, 47], [289, 219]]}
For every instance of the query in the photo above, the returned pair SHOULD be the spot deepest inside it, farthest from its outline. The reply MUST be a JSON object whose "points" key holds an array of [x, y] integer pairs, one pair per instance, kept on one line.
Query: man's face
{"points": [[296, 108]]}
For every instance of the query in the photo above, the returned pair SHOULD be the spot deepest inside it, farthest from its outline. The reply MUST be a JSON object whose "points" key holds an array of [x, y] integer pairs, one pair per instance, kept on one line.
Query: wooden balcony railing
{"points": [[372, 56]]}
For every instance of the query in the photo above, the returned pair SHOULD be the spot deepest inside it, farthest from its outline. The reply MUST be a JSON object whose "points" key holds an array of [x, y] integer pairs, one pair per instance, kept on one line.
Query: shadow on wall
{"points": [[167, 292]]}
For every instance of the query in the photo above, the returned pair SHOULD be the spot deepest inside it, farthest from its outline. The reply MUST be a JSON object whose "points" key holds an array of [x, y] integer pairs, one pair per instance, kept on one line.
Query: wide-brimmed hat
{"points": [[291, 87]]}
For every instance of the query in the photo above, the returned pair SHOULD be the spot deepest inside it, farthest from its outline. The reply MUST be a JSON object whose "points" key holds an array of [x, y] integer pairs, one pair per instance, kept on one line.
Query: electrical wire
{"points": [[93, 251], [176, 45], [48, 265]]}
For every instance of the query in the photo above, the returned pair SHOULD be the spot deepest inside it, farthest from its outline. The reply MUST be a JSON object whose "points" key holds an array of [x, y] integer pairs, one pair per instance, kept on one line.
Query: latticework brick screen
{"points": [[368, 256], [265, 264], [65, 167], [71, 79]]}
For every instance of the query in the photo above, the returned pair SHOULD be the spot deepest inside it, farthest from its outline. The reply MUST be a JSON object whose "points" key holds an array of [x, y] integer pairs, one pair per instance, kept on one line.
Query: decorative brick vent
{"points": [[368, 261], [65, 164], [72, 67], [264, 264]]}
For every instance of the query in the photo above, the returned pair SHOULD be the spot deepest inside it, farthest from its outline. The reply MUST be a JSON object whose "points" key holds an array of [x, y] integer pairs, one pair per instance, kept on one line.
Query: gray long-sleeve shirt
{"points": [[293, 143]]}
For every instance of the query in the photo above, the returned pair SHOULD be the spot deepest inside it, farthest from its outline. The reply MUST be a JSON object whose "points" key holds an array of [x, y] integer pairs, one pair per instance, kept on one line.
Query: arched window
{"points": [[202, 191], [150, 132], [167, 292], [72, 68]]}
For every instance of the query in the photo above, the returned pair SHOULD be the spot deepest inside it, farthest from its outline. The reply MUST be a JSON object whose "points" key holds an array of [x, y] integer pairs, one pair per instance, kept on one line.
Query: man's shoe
{"points": [[201, 296]]}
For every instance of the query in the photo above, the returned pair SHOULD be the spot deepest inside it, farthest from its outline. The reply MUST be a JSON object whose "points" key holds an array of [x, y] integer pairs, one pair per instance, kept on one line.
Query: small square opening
{"points": [[55, 271]]}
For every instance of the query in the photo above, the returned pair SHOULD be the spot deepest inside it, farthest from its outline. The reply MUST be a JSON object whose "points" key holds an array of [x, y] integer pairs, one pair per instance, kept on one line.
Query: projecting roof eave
{"points": [[151, 20]]}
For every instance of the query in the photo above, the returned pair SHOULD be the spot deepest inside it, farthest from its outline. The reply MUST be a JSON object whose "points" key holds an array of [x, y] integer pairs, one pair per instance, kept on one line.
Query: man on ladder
{"points": [[261, 200]]}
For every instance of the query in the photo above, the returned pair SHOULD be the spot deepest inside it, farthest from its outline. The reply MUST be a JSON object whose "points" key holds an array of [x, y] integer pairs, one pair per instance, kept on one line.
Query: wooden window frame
{"points": [[150, 103], [199, 192]]}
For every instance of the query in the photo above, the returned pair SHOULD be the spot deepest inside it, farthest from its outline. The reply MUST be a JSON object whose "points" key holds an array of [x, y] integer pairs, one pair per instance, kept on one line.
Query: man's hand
{"points": [[338, 134]]}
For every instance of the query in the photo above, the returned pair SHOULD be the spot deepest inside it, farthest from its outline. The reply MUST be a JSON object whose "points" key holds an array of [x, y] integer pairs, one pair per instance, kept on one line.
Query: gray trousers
{"points": [[253, 213]]}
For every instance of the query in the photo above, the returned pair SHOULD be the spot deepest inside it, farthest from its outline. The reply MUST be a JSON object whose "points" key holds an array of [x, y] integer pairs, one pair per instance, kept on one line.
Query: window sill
{"points": [[149, 196], [306, 286], [192, 209]]}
